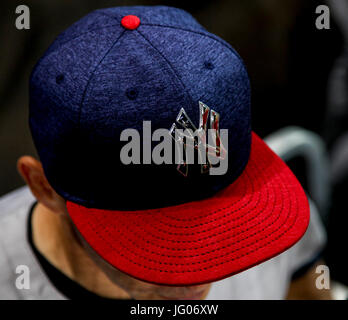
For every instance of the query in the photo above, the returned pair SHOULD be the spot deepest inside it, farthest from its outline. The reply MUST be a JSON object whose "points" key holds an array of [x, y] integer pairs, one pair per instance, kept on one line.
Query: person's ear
{"points": [[33, 174]]}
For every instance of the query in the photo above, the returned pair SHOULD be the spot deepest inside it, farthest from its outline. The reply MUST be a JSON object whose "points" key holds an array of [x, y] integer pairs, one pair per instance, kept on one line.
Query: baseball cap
{"points": [[111, 71]]}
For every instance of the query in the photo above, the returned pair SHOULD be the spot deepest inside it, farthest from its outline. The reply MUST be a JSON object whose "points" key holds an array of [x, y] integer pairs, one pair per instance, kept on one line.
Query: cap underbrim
{"points": [[263, 213]]}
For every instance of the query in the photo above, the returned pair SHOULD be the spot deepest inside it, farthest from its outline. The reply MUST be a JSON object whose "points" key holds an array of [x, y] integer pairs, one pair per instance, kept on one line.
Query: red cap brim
{"points": [[263, 213]]}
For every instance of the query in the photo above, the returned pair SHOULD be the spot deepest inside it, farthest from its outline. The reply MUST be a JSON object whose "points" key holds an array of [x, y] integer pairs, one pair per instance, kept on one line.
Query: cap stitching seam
{"points": [[107, 15], [96, 29], [91, 76], [217, 219], [183, 29], [74, 38], [208, 237], [207, 230], [237, 258], [71, 39], [170, 65], [207, 260], [196, 32], [226, 208]]}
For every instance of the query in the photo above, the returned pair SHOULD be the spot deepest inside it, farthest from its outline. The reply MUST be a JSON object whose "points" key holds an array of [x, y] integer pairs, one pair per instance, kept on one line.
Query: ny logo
{"points": [[188, 137]]}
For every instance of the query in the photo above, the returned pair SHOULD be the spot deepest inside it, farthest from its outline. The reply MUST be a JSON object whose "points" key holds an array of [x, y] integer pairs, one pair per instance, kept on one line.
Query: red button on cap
{"points": [[130, 22]]}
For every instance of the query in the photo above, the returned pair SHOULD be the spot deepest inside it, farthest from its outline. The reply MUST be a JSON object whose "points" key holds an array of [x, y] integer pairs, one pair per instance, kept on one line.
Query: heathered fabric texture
{"points": [[98, 78]]}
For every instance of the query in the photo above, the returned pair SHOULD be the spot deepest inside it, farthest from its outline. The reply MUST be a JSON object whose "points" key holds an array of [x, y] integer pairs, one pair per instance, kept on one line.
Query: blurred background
{"points": [[299, 77]]}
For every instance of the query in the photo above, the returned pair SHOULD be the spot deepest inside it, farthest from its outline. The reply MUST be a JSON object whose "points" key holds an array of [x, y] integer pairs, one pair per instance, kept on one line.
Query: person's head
{"points": [[31, 171], [98, 96]]}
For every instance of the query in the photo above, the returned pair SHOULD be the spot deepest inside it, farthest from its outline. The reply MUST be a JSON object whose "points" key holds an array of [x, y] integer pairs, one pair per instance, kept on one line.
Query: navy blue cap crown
{"points": [[99, 78]]}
